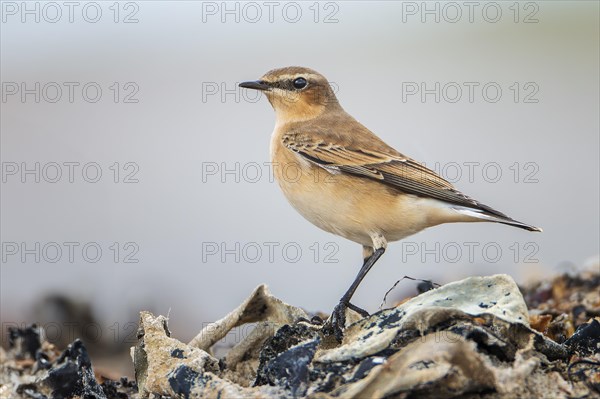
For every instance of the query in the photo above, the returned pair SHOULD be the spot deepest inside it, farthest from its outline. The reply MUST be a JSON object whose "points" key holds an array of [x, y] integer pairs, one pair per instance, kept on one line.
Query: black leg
{"points": [[369, 262], [337, 320]]}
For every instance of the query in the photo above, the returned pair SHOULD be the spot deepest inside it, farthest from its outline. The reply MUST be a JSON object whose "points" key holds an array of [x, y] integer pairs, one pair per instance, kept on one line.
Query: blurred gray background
{"points": [[185, 213]]}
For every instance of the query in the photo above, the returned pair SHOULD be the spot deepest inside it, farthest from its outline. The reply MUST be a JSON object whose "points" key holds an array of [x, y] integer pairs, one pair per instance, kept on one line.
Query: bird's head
{"points": [[296, 93]]}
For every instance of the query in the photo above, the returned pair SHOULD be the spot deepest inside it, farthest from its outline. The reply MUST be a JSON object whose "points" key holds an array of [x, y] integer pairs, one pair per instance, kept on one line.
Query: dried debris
{"points": [[482, 337], [33, 368], [560, 306]]}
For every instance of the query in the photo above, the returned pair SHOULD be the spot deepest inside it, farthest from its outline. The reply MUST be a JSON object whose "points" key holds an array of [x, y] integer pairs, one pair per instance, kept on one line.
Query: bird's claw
{"points": [[358, 310], [337, 322]]}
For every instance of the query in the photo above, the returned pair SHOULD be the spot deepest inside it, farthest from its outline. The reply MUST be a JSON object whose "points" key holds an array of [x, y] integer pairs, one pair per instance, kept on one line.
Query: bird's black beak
{"points": [[256, 85]]}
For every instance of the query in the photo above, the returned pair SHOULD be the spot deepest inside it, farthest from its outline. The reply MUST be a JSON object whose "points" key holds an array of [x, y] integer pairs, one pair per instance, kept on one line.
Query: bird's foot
{"points": [[337, 322]]}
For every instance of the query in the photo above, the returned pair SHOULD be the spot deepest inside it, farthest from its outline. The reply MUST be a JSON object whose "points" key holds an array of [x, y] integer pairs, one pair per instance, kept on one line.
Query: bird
{"points": [[347, 181]]}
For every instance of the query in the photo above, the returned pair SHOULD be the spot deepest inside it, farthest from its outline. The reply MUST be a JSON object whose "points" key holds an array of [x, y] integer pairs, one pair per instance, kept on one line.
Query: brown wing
{"points": [[380, 162]]}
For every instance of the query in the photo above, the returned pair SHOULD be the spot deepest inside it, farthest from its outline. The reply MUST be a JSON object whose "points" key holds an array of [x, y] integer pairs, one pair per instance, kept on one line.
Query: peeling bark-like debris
{"points": [[260, 306], [473, 338], [467, 337]]}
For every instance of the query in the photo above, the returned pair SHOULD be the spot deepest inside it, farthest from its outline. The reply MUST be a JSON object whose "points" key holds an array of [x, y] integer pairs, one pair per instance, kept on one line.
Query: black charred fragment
{"points": [[579, 281], [586, 339], [125, 382], [177, 353], [421, 365], [285, 358], [326, 377], [578, 310], [183, 380], [285, 338], [403, 338], [166, 327], [113, 389], [390, 319], [584, 370], [425, 286], [42, 361], [549, 348], [222, 364], [72, 375], [140, 356], [25, 341], [501, 348], [290, 369], [369, 335], [366, 366], [30, 391], [69, 375]]}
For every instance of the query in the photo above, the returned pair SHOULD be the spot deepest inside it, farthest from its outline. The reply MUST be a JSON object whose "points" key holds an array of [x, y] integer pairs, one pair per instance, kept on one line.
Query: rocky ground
{"points": [[482, 337]]}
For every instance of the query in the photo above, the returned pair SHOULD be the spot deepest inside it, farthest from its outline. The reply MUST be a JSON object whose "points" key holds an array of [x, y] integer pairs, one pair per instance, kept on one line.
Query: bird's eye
{"points": [[300, 83]]}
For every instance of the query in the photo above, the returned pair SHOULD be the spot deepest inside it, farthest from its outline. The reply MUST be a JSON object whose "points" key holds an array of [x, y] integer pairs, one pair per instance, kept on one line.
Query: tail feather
{"points": [[496, 216]]}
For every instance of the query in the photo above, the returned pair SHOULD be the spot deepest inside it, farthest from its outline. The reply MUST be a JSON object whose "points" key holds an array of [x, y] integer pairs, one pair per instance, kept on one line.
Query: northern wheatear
{"points": [[347, 181]]}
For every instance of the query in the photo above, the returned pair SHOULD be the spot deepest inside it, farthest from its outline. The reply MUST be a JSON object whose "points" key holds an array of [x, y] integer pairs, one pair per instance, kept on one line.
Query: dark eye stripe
{"points": [[287, 84]]}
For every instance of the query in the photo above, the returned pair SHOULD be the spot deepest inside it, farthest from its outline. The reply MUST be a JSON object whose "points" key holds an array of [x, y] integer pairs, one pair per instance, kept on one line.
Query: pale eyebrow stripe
{"points": [[297, 75]]}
